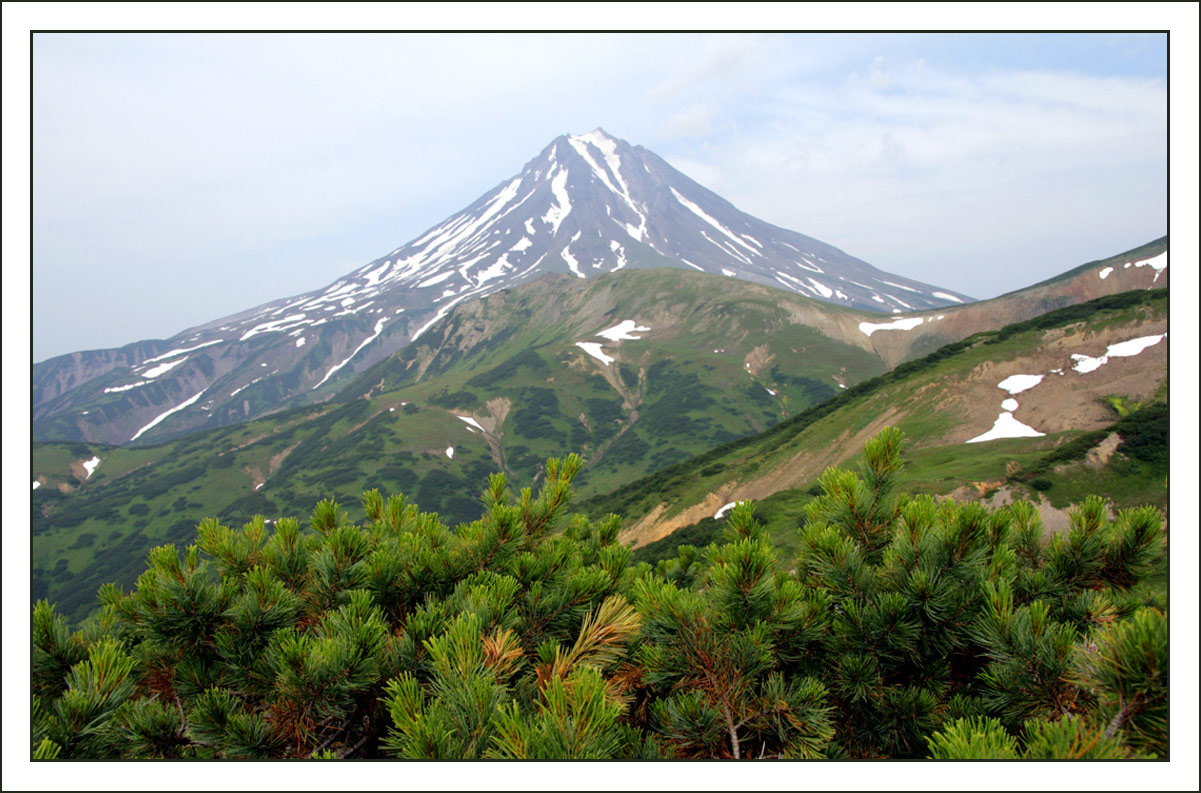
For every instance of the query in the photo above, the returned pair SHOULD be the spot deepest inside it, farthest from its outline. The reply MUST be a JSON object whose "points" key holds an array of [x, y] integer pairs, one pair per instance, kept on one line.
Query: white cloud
{"points": [[927, 170]]}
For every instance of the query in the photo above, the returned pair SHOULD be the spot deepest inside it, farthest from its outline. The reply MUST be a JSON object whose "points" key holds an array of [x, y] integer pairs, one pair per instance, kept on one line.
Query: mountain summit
{"points": [[585, 206], [591, 204]]}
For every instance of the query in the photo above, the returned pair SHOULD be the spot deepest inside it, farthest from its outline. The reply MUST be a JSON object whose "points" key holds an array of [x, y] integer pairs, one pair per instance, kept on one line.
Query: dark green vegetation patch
{"points": [[900, 628]]}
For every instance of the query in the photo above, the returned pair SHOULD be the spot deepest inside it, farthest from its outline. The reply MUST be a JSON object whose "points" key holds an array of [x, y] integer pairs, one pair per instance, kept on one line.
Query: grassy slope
{"points": [[690, 398], [1146, 251], [911, 390], [684, 388]]}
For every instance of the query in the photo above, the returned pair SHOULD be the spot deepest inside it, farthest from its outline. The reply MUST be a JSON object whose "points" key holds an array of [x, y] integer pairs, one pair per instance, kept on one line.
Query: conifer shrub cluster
{"points": [[905, 628]]}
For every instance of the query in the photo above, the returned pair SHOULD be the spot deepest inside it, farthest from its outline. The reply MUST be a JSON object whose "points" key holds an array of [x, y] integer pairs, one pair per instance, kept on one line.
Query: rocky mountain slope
{"points": [[586, 205], [1071, 403], [638, 371]]}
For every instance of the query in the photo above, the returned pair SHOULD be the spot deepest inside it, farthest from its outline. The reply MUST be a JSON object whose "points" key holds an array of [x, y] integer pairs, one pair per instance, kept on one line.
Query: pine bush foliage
{"points": [[905, 628]]}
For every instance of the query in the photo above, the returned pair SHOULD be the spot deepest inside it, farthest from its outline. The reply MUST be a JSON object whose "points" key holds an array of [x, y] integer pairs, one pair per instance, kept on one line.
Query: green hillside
{"points": [[649, 422], [903, 627], [722, 359], [929, 400]]}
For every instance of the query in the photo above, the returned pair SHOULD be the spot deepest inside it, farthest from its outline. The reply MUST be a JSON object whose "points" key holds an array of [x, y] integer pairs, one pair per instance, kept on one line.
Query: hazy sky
{"points": [[178, 178]]}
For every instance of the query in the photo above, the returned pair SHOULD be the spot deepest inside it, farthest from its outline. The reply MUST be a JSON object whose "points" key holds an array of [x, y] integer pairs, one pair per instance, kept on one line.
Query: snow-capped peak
{"points": [[587, 205]]}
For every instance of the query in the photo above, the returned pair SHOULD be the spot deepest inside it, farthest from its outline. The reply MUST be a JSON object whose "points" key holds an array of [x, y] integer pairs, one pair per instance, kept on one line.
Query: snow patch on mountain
{"points": [[1157, 263], [822, 289], [441, 313], [900, 286], [496, 270], [181, 351], [159, 418], [1124, 349], [910, 323], [1006, 426], [620, 250], [608, 149], [570, 259], [379, 327], [287, 323], [726, 248], [471, 422], [554, 216], [120, 388], [372, 278], [721, 513], [240, 389], [162, 368], [90, 466], [1016, 384], [792, 282], [623, 330], [945, 296], [705, 216], [595, 350]]}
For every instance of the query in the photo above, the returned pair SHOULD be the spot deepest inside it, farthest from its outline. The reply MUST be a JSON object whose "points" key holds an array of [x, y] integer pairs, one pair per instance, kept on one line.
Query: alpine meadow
{"points": [[602, 467]]}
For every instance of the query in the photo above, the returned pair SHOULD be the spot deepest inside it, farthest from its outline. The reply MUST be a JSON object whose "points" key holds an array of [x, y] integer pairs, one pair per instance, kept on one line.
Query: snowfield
{"points": [[119, 388], [180, 351], [1123, 349], [472, 422], [897, 324], [623, 331], [945, 296], [1016, 384], [154, 422], [722, 512], [162, 368], [1006, 426], [554, 216], [595, 350], [1157, 263], [379, 327]]}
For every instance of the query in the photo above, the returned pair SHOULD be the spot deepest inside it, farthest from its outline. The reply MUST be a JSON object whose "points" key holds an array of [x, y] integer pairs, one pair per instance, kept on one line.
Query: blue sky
{"points": [[179, 178]]}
